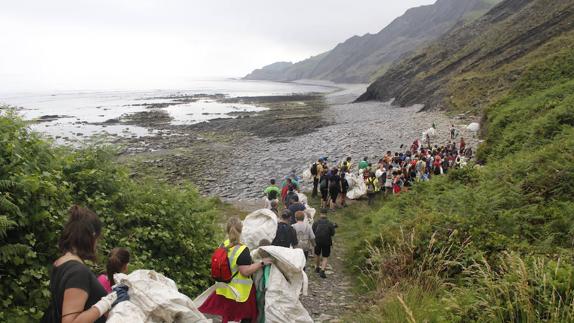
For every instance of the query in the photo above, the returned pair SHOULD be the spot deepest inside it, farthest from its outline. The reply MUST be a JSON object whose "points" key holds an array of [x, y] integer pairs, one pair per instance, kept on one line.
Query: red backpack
{"points": [[220, 266]]}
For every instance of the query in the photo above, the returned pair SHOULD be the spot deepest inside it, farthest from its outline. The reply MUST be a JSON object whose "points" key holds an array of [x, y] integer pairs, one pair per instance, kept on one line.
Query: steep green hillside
{"points": [[491, 243], [168, 229], [359, 59], [473, 66]]}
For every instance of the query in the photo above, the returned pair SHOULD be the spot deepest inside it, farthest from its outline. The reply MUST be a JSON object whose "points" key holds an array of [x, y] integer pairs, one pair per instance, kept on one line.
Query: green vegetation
{"points": [[169, 229], [482, 244]]}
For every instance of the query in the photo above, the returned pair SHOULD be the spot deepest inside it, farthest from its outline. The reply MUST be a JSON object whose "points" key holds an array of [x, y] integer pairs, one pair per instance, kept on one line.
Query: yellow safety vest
{"points": [[241, 283]]}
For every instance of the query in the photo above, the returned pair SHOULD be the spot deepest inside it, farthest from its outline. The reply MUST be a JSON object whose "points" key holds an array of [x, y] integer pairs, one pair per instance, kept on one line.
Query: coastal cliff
{"points": [[361, 59]]}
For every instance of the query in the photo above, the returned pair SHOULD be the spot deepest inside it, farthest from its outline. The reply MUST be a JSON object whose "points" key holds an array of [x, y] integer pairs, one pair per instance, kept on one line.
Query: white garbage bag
{"points": [[302, 198], [259, 225], [153, 298], [307, 176], [358, 191], [474, 127], [287, 280], [352, 180], [310, 215]]}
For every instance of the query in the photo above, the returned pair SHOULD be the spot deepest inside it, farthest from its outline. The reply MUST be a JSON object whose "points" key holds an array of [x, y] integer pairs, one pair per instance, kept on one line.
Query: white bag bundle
{"points": [[302, 198], [359, 190], [259, 225], [310, 215], [287, 281], [474, 127], [307, 176], [352, 180], [153, 298]]}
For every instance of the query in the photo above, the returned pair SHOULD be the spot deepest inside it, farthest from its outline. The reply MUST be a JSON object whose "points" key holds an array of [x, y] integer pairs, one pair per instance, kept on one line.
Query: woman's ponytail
{"points": [[118, 259]]}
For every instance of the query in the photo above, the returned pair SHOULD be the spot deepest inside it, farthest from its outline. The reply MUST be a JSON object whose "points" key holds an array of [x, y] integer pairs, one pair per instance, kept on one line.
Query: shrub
{"points": [[169, 229]]}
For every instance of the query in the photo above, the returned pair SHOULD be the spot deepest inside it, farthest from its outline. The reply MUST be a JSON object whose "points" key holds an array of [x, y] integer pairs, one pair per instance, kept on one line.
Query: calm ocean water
{"points": [[80, 111]]}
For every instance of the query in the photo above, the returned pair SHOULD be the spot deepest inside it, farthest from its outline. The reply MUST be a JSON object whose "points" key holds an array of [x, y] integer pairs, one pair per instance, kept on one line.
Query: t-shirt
{"points": [[74, 274], [272, 192], [285, 236], [103, 279], [244, 258], [334, 181], [304, 235]]}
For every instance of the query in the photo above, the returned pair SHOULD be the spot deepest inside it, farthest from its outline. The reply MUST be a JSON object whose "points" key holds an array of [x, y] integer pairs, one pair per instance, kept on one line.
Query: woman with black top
{"points": [[77, 296]]}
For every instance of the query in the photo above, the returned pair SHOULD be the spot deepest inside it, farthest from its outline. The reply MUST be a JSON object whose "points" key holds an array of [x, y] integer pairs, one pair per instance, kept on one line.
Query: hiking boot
{"points": [[317, 270], [322, 274]]}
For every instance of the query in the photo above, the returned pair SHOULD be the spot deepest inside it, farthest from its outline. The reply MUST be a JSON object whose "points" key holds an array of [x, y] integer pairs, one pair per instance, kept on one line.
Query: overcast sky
{"points": [[82, 44]]}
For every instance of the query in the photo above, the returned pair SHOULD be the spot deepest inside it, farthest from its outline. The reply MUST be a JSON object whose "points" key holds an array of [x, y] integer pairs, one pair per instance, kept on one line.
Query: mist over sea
{"points": [[76, 115]]}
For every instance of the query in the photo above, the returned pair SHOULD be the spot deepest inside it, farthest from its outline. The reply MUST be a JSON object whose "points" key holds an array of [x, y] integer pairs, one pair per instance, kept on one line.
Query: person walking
{"points": [[223, 301], [272, 193], [324, 231], [305, 235], [118, 261], [76, 293], [316, 171], [334, 187], [285, 235]]}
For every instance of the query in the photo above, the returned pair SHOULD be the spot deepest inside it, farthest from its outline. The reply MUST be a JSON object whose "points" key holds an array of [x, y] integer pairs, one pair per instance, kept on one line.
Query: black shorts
{"points": [[334, 194], [324, 194], [324, 251]]}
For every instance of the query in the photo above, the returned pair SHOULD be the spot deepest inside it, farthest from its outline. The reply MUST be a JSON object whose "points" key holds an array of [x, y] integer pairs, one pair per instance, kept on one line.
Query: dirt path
{"points": [[329, 298]]}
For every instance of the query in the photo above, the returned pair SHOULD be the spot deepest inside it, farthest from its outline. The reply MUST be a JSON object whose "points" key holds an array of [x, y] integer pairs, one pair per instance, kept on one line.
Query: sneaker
{"points": [[322, 274], [317, 270]]}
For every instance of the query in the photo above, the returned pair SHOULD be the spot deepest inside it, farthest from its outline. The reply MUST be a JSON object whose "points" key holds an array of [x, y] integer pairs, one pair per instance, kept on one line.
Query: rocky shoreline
{"points": [[235, 158]]}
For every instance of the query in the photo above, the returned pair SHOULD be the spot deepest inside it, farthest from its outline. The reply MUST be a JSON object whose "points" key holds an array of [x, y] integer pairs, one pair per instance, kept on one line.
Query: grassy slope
{"points": [[486, 244]]}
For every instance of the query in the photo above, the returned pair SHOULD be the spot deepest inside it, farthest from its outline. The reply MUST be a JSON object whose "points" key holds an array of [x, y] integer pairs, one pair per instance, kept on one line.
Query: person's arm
{"points": [[248, 270], [73, 307]]}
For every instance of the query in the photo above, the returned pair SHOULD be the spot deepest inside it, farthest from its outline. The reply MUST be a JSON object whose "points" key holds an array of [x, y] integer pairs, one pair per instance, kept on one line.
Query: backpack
{"points": [[323, 232], [314, 169], [272, 195], [282, 236], [220, 266]]}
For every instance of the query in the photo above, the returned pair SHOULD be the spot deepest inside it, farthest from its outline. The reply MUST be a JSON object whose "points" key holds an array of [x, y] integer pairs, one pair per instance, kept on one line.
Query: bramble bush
{"points": [[168, 229]]}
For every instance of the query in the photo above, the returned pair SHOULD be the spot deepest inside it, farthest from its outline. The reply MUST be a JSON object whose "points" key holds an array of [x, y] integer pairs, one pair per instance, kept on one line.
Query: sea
{"points": [[75, 116]]}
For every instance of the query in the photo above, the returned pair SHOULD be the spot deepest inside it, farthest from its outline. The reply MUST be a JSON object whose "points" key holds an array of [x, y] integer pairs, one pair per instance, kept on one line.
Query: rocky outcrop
{"points": [[361, 59], [473, 64]]}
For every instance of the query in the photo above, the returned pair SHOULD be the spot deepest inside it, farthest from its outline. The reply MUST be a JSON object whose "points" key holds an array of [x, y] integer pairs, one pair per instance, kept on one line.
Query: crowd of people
{"points": [[390, 175], [79, 296]]}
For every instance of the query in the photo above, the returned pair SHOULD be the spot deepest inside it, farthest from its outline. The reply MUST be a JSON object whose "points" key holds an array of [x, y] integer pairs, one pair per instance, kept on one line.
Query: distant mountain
{"points": [[362, 59], [472, 66]]}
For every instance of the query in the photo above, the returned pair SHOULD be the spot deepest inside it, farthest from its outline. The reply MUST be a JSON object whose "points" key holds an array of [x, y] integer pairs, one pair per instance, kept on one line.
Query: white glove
{"points": [[105, 303]]}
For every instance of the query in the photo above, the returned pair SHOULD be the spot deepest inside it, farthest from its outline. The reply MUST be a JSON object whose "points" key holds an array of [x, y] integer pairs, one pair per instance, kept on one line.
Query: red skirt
{"points": [[230, 310]]}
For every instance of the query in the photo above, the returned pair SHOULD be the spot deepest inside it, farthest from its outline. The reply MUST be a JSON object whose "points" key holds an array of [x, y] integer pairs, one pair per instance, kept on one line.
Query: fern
{"points": [[8, 206], [7, 184], [5, 224]]}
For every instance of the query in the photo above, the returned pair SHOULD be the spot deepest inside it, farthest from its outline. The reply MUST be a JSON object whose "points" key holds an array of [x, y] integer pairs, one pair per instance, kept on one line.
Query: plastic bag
{"points": [[287, 281], [153, 298], [259, 225], [474, 127]]}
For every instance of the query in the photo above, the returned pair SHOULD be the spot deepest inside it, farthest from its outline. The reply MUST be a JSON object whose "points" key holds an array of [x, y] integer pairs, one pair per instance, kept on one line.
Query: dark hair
{"points": [[80, 233], [286, 214], [118, 259], [272, 181], [295, 198]]}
